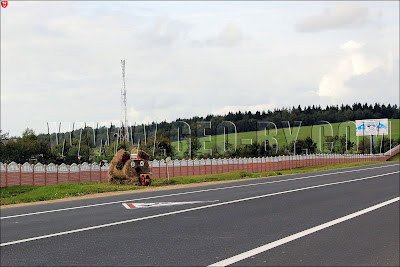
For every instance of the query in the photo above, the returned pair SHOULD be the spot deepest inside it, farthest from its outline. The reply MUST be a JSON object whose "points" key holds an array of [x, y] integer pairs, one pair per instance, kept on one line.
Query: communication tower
{"points": [[124, 135]]}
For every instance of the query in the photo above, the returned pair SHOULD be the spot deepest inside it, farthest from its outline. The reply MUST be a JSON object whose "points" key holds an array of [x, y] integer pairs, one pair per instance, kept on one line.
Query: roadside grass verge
{"points": [[25, 194], [395, 157]]}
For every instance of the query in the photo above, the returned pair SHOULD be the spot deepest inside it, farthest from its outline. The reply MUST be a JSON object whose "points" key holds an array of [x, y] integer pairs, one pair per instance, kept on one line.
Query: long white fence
{"points": [[39, 174]]}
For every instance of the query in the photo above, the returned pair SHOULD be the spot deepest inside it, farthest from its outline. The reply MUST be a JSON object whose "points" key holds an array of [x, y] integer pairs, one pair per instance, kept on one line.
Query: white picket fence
{"points": [[40, 174]]}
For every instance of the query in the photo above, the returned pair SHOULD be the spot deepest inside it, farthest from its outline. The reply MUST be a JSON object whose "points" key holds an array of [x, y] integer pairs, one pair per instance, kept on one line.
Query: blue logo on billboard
{"points": [[361, 127], [381, 126]]}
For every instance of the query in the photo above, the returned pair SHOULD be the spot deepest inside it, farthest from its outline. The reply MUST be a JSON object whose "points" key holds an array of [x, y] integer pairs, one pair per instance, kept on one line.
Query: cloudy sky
{"points": [[60, 61]]}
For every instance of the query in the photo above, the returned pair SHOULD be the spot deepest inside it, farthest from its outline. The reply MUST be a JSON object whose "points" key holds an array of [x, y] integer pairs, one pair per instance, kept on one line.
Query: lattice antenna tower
{"points": [[124, 121]]}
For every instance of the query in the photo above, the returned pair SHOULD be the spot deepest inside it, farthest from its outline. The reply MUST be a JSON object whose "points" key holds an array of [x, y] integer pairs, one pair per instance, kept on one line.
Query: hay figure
{"points": [[115, 172], [120, 158], [124, 170]]}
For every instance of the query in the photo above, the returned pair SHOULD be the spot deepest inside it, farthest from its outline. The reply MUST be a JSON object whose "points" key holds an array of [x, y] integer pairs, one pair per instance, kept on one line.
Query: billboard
{"points": [[372, 127]]}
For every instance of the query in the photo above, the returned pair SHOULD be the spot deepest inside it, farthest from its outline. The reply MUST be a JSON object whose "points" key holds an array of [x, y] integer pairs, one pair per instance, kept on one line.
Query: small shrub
{"points": [[243, 174]]}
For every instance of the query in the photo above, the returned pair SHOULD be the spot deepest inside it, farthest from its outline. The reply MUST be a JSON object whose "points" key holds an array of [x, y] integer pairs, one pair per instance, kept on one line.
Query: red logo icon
{"points": [[4, 4]]}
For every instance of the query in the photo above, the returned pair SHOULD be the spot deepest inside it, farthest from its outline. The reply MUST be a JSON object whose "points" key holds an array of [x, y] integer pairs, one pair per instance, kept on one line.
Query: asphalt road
{"points": [[355, 212]]}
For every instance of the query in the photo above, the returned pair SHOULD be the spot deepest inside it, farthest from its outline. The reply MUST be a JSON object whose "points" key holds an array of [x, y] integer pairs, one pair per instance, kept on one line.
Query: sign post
{"points": [[166, 161]]}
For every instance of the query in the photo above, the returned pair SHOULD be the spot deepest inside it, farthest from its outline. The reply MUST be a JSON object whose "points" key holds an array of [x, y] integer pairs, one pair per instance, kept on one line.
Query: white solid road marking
{"points": [[137, 205], [290, 238], [191, 192], [187, 210]]}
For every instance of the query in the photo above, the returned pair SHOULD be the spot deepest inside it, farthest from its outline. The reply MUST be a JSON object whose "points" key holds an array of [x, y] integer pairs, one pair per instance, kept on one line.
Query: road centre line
{"points": [[187, 210], [192, 192], [290, 238]]}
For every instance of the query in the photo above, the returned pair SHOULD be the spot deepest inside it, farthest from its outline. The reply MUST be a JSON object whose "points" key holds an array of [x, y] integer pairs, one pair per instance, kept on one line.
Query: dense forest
{"points": [[94, 144]]}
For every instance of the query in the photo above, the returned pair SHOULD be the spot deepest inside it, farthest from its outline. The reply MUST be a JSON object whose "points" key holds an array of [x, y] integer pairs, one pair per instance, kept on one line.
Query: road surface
{"points": [[338, 217]]}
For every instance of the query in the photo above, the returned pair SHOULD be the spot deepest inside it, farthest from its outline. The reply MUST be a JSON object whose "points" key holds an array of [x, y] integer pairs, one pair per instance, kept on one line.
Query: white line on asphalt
{"points": [[290, 238], [186, 210], [191, 192]]}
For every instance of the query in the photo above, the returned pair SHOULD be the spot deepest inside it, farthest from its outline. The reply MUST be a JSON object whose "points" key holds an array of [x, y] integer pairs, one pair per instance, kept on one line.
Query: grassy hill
{"points": [[283, 135]]}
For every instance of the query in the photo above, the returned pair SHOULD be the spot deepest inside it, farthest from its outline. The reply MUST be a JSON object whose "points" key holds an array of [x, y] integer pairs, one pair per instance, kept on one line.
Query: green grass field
{"points": [[243, 138], [395, 158], [25, 194]]}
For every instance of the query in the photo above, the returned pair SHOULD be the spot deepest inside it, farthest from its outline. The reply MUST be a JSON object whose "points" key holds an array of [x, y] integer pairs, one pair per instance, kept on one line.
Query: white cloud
{"points": [[230, 35], [379, 85], [135, 116], [342, 16], [354, 63], [351, 45], [164, 31]]}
